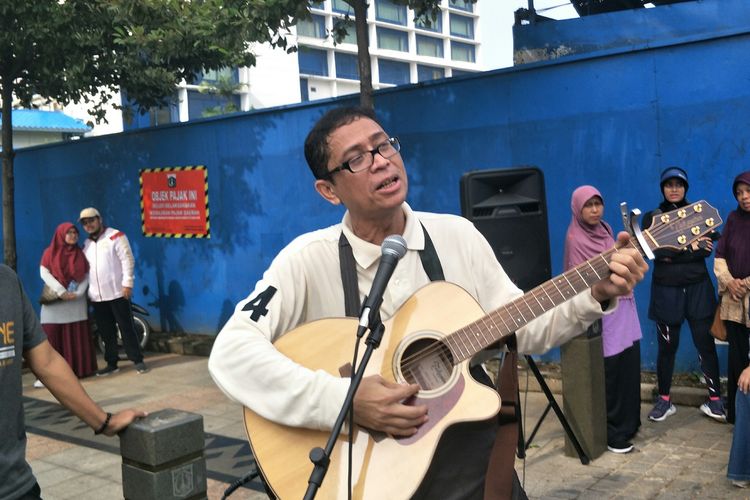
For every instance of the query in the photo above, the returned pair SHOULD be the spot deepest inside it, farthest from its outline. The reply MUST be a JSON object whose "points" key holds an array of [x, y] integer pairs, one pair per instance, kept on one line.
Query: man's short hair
{"points": [[317, 150]]}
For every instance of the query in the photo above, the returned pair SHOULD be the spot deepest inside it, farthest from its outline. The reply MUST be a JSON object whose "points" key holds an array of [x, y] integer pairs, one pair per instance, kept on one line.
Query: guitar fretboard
{"points": [[501, 322]]}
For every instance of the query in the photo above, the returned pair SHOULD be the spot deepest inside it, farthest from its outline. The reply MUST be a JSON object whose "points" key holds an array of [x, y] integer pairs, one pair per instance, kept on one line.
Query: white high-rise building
{"points": [[461, 40], [465, 38]]}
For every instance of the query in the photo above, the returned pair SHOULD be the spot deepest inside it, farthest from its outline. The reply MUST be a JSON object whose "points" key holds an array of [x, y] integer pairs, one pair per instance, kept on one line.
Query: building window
{"points": [[211, 76], [435, 25], [460, 72], [351, 35], [425, 73], [393, 40], [351, 29], [342, 7], [314, 27], [160, 116], [201, 105], [429, 46], [304, 94], [347, 66], [313, 61], [462, 26], [386, 10], [462, 52], [157, 115], [393, 72], [462, 5]]}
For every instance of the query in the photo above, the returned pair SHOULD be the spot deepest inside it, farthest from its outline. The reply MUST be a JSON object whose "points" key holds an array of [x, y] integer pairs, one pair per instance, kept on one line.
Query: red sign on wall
{"points": [[174, 202]]}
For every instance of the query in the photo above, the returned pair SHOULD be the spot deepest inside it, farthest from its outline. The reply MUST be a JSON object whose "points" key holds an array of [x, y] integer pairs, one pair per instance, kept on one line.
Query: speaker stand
{"points": [[551, 404]]}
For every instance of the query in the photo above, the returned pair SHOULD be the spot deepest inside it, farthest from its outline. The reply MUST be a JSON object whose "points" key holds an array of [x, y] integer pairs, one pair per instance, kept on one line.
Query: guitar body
{"points": [[383, 467]]}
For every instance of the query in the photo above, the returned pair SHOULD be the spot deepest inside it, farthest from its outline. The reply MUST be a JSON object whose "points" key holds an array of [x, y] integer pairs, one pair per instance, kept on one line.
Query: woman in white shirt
{"points": [[64, 270]]}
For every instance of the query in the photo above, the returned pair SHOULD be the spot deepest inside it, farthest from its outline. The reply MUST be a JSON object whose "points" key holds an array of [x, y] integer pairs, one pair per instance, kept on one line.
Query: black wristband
{"points": [[104, 425]]}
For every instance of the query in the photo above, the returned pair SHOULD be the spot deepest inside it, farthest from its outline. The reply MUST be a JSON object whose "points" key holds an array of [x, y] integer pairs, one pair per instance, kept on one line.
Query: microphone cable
{"points": [[239, 482]]}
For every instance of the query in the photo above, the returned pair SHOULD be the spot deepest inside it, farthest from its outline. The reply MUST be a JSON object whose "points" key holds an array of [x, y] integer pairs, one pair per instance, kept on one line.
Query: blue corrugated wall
{"points": [[611, 120]]}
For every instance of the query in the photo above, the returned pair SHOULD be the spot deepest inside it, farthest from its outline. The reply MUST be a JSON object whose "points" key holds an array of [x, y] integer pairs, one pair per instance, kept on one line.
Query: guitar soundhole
{"points": [[427, 362]]}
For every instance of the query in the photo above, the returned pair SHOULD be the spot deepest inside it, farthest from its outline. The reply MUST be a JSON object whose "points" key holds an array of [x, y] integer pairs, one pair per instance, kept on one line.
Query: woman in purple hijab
{"points": [[732, 270], [588, 235]]}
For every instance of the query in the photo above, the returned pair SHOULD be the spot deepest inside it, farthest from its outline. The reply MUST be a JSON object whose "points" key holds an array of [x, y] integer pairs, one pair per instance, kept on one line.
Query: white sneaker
{"points": [[741, 484], [38, 384], [620, 448]]}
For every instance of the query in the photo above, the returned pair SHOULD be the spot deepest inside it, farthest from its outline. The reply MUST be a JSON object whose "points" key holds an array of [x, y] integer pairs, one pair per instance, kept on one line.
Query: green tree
{"points": [[85, 50]]}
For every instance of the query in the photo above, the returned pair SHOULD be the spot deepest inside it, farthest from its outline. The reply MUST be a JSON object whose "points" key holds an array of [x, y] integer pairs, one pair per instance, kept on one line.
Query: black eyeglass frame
{"points": [[391, 141]]}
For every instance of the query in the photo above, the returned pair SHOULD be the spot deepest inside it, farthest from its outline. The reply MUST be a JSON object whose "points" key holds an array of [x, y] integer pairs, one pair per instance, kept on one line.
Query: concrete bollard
{"points": [[162, 457], [584, 400]]}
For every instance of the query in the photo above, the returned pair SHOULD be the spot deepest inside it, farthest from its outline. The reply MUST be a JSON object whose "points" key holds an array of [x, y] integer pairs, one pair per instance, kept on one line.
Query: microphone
{"points": [[392, 249]]}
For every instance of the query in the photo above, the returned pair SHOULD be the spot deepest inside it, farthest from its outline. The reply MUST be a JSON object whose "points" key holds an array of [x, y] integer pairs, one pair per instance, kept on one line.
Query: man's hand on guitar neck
{"points": [[627, 267], [378, 406]]}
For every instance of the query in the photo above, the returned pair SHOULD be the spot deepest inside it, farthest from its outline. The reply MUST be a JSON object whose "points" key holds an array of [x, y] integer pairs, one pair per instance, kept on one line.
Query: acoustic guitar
{"points": [[428, 341]]}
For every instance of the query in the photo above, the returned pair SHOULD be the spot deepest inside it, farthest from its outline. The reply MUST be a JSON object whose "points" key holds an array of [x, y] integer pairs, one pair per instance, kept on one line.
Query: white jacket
{"points": [[111, 265], [304, 284]]}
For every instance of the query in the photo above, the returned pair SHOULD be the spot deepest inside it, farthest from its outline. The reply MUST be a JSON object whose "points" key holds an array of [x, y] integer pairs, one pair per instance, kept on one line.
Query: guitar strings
{"points": [[547, 287], [409, 362], [439, 345]]}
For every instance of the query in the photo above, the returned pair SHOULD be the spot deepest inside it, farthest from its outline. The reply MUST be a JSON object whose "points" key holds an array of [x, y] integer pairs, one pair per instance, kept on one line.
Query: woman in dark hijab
{"points": [[681, 289], [732, 270], [64, 270]]}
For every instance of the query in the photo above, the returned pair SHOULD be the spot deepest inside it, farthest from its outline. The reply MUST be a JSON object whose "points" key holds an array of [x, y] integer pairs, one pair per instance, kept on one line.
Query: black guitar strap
{"points": [[428, 256]]}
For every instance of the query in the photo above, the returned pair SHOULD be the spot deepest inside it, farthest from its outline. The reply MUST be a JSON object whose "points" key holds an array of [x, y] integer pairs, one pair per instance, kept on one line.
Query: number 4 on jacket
{"points": [[259, 303]]}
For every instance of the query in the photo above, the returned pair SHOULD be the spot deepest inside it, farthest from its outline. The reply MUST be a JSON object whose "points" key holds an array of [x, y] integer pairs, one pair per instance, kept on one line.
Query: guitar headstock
{"points": [[679, 228]]}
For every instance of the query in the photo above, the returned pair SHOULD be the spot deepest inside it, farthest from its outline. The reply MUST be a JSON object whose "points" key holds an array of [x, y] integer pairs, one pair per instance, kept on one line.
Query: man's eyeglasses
{"points": [[363, 161], [87, 220]]}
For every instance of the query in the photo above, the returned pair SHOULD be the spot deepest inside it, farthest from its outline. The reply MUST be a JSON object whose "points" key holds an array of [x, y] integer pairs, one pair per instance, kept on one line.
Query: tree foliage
{"points": [[85, 50]]}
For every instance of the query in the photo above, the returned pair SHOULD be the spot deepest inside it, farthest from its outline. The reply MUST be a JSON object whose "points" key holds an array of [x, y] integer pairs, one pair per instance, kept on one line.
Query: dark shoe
{"points": [[620, 447], [142, 368], [108, 370], [662, 410], [714, 409]]}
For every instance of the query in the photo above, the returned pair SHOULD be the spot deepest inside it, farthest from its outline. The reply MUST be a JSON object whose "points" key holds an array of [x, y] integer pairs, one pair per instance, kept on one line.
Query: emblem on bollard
{"points": [[182, 481]]}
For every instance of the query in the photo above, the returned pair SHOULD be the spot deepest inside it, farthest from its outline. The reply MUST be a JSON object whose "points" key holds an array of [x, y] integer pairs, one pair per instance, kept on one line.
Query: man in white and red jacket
{"points": [[110, 288]]}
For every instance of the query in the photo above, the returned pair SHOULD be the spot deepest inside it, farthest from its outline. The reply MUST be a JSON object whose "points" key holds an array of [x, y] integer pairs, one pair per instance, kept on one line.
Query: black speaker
{"points": [[508, 206]]}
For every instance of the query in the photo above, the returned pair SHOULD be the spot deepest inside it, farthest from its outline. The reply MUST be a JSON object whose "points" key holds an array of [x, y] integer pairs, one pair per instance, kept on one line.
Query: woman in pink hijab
{"points": [[588, 236]]}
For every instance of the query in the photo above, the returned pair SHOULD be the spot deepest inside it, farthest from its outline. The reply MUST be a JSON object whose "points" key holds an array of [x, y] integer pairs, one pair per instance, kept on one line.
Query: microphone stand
{"points": [[320, 457]]}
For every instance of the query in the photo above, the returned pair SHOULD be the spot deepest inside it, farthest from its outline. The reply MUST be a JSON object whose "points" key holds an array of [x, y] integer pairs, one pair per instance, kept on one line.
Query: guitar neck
{"points": [[502, 322]]}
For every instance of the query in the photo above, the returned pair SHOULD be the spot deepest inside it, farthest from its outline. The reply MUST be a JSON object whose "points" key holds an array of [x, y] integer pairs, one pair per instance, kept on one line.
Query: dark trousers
{"points": [[669, 341], [35, 493], [622, 377], [739, 345], [108, 315], [459, 465]]}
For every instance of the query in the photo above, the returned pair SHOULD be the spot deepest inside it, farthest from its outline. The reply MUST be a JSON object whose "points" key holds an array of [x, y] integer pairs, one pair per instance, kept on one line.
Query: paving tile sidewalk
{"points": [[683, 457]]}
